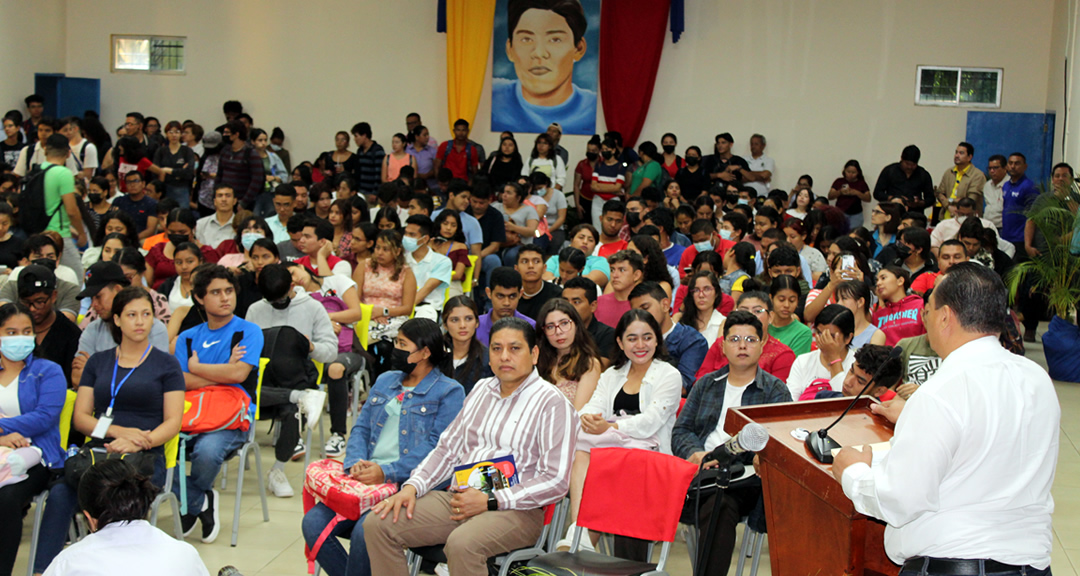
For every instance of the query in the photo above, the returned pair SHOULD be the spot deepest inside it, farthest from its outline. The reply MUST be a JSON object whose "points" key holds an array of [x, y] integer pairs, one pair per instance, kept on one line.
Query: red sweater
{"points": [[900, 320], [776, 359]]}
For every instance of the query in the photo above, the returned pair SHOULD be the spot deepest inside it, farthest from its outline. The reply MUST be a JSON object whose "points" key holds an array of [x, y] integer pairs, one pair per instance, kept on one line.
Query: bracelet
{"points": [[836, 361]]}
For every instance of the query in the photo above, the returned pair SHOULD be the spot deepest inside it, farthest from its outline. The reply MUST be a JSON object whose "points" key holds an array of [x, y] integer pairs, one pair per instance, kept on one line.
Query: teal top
{"points": [[591, 263], [386, 447]]}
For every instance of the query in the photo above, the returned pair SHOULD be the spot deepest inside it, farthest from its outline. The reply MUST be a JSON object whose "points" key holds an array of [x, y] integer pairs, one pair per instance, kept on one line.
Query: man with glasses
{"points": [[700, 429], [57, 336], [992, 190], [776, 357]]}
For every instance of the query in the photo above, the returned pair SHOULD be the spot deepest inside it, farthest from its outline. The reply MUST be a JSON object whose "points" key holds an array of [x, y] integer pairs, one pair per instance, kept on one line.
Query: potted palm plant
{"points": [[1055, 273]]}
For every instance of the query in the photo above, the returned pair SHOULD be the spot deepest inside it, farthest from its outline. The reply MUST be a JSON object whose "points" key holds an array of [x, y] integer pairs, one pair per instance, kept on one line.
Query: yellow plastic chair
{"points": [[466, 283], [172, 448], [363, 327], [39, 500]]}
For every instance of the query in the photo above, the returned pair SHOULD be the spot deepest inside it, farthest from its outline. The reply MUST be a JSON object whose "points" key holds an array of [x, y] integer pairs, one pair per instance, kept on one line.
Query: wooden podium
{"points": [[813, 527]]}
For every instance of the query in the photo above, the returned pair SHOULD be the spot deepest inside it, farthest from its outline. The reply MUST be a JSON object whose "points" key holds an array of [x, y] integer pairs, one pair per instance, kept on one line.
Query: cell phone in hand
{"points": [[847, 261]]}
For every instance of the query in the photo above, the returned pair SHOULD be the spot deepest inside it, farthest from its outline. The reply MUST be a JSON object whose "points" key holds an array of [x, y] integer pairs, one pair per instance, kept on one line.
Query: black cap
{"points": [[101, 275], [34, 279]]}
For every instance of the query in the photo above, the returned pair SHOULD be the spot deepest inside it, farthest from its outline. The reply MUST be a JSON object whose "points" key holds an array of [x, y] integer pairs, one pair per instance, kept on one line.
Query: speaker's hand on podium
{"points": [[848, 456], [889, 409]]}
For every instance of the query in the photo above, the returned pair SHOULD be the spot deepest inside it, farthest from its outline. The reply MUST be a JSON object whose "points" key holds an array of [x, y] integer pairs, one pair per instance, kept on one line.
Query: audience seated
{"points": [[685, 346], [450, 242], [504, 293], [899, 314], [216, 228], [387, 285], [56, 337], [432, 270], [135, 202], [702, 312], [784, 325], [584, 238], [949, 253], [582, 294], [535, 291], [186, 258], [825, 366], [855, 296], [627, 271], [415, 397], [776, 358], [317, 244], [611, 223], [180, 229], [460, 319], [568, 357], [866, 363]]}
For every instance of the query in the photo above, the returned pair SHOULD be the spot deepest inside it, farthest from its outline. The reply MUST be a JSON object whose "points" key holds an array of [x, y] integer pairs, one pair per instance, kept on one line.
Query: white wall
{"points": [[32, 39], [823, 80]]}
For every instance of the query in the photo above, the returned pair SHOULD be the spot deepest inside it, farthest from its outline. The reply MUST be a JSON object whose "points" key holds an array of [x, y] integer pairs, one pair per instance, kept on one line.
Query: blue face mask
{"points": [[17, 348], [248, 239], [410, 244], [726, 234], [703, 246], [744, 201]]}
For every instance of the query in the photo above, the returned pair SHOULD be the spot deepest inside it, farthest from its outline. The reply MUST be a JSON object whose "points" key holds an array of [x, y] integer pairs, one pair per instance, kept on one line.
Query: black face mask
{"points": [[692, 160], [669, 149], [177, 239], [633, 219], [94, 198], [591, 156], [399, 360], [46, 262], [282, 303], [902, 251], [607, 154]]}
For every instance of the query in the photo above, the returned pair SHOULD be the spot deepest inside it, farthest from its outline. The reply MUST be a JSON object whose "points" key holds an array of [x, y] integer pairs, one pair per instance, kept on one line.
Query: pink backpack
{"points": [[818, 385]]}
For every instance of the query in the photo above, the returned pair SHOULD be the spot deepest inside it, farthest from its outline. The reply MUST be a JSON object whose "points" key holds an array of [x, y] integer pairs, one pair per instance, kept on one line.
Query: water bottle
{"points": [[72, 450]]}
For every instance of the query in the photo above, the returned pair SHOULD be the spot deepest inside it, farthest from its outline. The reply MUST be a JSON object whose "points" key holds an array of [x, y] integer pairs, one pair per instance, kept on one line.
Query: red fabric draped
{"points": [[631, 40]]}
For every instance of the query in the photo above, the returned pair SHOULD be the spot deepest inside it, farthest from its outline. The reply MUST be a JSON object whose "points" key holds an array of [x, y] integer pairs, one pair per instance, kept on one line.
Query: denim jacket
{"points": [[42, 392], [426, 411]]}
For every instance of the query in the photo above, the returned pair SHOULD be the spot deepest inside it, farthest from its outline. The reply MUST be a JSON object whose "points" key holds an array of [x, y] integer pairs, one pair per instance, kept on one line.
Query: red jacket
{"points": [[776, 359]]}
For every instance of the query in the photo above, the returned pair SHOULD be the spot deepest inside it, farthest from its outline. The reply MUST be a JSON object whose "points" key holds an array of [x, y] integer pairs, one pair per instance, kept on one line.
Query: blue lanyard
{"points": [[114, 387]]}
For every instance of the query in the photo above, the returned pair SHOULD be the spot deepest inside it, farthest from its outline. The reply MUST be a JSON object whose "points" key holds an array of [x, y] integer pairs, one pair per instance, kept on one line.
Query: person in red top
{"points": [[708, 262], [900, 315], [776, 358], [317, 244], [132, 158], [627, 271], [583, 175], [459, 155], [702, 234], [952, 252], [611, 222], [179, 229]]}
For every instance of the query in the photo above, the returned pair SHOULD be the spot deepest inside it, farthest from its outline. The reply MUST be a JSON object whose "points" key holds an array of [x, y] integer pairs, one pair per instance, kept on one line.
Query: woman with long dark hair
{"points": [[786, 295], [833, 330], [449, 240], [340, 217], [388, 285], [545, 159], [568, 357], [851, 192], [700, 310], [461, 318], [339, 160], [656, 266]]}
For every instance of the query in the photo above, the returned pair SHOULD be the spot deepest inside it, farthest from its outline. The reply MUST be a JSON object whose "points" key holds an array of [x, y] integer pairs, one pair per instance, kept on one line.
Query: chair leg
{"points": [[239, 492], [174, 504], [759, 539], [414, 564], [262, 483], [744, 550], [224, 474], [39, 513], [318, 569], [691, 544]]}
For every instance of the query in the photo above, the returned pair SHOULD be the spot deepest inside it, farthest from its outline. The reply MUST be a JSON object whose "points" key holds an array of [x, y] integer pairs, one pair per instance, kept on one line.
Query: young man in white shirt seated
{"points": [[432, 271]]}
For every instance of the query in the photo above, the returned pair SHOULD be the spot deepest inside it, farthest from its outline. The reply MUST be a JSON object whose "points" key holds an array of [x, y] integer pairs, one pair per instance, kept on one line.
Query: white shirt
{"points": [[712, 329], [807, 368], [88, 152], [212, 233], [432, 265], [994, 199], [948, 229], [22, 166], [121, 546], [661, 390], [732, 399], [9, 400], [971, 464], [758, 165]]}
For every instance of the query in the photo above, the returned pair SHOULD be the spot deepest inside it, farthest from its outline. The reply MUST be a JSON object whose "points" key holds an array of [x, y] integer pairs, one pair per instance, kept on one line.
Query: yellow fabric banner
{"points": [[468, 47]]}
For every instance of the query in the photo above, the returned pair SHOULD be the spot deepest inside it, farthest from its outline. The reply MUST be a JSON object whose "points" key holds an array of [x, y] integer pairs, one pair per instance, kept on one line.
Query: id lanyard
{"points": [[114, 387]]}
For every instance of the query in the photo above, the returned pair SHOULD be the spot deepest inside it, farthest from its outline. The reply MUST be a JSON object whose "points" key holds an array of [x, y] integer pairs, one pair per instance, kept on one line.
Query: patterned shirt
{"points": [[370, 172]]}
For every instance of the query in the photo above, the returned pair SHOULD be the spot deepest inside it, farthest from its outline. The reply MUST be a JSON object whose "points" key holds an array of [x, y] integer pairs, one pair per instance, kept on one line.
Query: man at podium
{"points": [[965, 486]]}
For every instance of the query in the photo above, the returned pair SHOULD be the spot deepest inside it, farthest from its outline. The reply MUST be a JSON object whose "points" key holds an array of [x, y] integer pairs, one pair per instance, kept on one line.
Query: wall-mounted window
{"points": [[957, 86], [153, 54]]}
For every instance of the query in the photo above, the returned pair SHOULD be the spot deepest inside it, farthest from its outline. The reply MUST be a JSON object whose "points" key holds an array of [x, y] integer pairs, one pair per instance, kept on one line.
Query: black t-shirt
{"points": [[715, 164], [9, 153], [60, 344], [140, 403], [531, 306], [692, 184], [604, 337], [10, 251], [492, 226]]}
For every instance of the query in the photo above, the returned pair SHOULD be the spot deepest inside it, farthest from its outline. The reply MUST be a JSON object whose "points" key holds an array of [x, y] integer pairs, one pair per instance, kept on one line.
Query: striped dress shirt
{"points": [[536, 424]]}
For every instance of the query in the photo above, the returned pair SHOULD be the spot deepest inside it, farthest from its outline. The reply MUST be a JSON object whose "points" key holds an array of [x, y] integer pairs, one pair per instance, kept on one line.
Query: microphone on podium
{"points": [[819, 443]]}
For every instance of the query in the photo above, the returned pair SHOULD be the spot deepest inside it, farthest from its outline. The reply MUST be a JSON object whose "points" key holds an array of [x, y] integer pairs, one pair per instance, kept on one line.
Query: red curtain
{"points": [[631, 40]]}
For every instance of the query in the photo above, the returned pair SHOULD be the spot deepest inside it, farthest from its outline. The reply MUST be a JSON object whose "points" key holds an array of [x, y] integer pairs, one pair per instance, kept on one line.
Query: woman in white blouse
{"points": [[699, 310], [834, 328], [633, 406]]}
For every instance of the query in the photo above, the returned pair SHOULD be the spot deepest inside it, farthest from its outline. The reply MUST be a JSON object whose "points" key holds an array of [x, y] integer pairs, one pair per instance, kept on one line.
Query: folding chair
{"points": [[171, 450], [249, 447], [544, 544], [466, 282], [39, 500], [319, 367], [645, 505]]}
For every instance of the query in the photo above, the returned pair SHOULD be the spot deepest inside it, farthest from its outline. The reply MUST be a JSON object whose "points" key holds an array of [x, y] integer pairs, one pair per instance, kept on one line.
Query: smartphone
{"points": [[847, 261]]}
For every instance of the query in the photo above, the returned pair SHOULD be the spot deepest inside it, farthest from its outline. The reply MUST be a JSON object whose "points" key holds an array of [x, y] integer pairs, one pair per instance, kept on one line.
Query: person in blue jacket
{"points": [[406, 411], [32, 393]]}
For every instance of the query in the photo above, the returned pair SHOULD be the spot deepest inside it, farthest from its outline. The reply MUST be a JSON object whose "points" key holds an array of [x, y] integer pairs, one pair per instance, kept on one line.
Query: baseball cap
{"points": [[99, 276], [34, 279], [211, 139]]}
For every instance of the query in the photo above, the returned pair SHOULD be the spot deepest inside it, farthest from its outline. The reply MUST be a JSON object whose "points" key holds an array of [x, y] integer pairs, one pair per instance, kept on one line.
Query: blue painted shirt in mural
{"points": [[510, 111]]}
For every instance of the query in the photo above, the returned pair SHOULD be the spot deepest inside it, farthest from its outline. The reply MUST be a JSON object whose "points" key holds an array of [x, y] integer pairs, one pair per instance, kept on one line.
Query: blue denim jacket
{"points": [[42, 391], [426, 411]]}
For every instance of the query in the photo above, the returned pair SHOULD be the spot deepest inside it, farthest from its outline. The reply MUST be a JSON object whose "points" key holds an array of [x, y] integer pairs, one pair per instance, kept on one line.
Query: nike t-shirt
{"points": [[215, 346]]}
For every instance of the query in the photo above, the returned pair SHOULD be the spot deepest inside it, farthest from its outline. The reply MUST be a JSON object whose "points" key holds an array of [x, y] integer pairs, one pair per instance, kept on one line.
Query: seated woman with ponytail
{"points": [[414, 396]]}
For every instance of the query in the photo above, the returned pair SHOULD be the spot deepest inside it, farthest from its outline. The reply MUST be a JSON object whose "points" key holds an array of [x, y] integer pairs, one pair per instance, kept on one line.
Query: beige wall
{"points": [[824, 81], [31, 40]]}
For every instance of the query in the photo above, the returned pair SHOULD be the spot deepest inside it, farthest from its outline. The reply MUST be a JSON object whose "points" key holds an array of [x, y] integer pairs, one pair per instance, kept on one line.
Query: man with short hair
{"points": [[41, 249], [232, 109], [965, 485], [459, 197], [611, 224], [432, 270], [723, 166], [536, 426], [421, 204], [961, 181], [868, 361], [284, 207], [535, 291], [216, 228], [34, 155], [914, 219], [1018, 193], [686, 347], [412, 120], [369, 155], [56, 335], [627, 270], [664, 220], [224, 351], [83, 151], [492, 226], [459, 155], [963, 209], [64, 290], [700, 429], [906, 179], [504, 292], [35, 108], [61, 206], [289, 248], [317, 244], [951, 252], [581, 293], [141, 208], [760, 172], [993, 192], [554, 130]]}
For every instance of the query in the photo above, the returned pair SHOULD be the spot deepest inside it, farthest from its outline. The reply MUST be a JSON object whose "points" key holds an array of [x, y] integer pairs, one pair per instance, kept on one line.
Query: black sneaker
{"points": [[210, 518], [299, 451], [187, 523]]}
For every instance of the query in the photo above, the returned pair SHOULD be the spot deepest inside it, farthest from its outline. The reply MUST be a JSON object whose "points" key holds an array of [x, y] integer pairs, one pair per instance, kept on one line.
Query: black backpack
{"points": [[32, 216]]}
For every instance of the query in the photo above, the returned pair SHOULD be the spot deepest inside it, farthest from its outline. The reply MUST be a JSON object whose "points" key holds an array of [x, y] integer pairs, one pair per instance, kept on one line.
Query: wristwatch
{"points": [[386, 312], [493, 504]]}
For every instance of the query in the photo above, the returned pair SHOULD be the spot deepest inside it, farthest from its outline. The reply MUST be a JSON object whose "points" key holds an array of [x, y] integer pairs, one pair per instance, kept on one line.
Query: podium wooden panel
{"points": [[813, 527]]}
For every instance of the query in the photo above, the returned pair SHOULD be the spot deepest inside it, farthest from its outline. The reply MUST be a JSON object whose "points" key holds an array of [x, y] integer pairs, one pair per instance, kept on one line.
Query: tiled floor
{"points": [[276, 547]]}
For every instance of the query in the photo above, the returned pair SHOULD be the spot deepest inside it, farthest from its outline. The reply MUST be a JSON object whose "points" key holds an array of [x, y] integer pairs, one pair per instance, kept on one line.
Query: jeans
{"points": [[332, 556], [206, 453], [1024, 571], [180, 193], [337, 390]]}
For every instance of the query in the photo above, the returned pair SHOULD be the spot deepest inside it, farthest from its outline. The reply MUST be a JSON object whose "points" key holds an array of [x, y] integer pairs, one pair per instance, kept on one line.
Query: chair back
{"points": [[467, 282], [635, 493], [258, 387], [65, 418], [171, 450], [363, 326]]}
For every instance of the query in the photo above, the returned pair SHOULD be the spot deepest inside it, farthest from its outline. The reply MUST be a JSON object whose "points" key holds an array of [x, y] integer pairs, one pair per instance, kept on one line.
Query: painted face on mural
{"points": [[543, 52]]}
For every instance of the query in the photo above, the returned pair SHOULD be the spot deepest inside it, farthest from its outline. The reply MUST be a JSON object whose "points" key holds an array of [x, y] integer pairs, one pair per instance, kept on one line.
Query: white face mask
{"points": [[960, 219]]}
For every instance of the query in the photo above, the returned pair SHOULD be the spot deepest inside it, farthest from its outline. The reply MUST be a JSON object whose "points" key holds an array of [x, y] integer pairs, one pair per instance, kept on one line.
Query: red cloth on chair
{"points": [[631, 40], [644, 504]]}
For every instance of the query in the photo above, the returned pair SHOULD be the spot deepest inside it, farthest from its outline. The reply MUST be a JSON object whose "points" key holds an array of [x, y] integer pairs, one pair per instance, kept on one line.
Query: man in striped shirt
{"points": [[515, 413], [369, 154]]}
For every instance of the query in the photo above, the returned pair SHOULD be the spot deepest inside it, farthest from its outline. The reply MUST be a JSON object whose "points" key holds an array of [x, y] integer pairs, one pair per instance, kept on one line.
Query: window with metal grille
{"points": [[956, 86], [154, 54]]}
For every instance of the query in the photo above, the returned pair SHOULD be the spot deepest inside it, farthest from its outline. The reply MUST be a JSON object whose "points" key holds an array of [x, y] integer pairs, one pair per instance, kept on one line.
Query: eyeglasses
{"points": [[748, 339], [704, 291], [877, 211], [35, 304], [560, 326], [755, 311]]}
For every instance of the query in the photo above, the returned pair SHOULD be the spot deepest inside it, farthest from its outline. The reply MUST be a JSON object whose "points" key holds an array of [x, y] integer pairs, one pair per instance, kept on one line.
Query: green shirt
{"points": [[386, 447], [58, 182], [650, 171], [796, 336]]}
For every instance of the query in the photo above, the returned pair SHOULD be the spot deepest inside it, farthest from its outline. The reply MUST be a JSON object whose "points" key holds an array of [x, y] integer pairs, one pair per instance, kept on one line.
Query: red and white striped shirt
{"points": [[536, 424]]}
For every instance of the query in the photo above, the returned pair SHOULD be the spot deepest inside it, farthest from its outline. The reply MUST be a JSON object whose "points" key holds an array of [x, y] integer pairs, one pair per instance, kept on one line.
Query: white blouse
{"points": [[661, 389], [807, 368]]}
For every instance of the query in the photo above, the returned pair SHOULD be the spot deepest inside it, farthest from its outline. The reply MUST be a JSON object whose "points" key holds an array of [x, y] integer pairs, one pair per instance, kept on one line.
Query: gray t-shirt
{"points": [[97, 337], [520, 218], [66, 293], [556, 202]]}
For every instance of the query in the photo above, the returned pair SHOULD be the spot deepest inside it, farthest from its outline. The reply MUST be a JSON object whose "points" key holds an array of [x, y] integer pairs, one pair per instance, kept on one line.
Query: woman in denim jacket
{"points": [[407, 410]]}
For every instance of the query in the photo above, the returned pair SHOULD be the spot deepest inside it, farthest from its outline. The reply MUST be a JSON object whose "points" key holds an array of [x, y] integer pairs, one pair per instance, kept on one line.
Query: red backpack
{"points": [[818, 385], [217, 407]]}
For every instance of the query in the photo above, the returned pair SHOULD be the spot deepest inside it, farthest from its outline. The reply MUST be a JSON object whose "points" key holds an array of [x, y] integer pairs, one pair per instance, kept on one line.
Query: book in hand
{"points": [[487, 475]]}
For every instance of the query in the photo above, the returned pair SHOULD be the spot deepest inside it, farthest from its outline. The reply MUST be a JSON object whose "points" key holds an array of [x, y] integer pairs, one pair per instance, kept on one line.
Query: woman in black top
{"points": [[339, 160], [504, 166], [460, 319], [175, 164]]}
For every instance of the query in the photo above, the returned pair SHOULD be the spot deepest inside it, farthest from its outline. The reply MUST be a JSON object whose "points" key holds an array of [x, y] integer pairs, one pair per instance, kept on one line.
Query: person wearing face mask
{"points": [[216, 228], [649, 170], [56, 335], [41, 249], [179, 229], [608, 179], [97, 196], [31, 398], [692, 178], [414, 396], [583, 172], [281, 306]]}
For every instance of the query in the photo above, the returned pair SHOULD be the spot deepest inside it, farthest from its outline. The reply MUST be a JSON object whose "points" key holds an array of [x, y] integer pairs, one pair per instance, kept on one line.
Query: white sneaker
{"points": [[279, 483], [442, 569], [564, 544], [335, 446], [311, 404]]}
